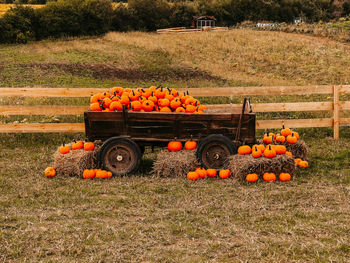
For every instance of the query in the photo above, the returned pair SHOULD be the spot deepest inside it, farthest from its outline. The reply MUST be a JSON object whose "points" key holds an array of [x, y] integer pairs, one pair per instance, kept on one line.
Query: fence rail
{"points": [[335, 106]]}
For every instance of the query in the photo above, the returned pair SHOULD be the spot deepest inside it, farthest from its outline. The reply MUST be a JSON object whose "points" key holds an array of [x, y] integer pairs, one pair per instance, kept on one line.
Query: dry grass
{"points": [[235, 57], [134, 219]]}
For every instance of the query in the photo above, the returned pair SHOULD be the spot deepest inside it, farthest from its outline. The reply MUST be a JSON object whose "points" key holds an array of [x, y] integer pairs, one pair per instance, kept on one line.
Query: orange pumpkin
{"points": [[285, 131], [211, 173], [89, 173], [303, 164], [77, 145], [95, 107], [176, 103], [190, 145], [50, 172], [165, 109], [109, 175], [124, 100], [292, 139], [159, 93], [202, 173], [244, 149], [256, 153], [146, 93], [180, 109], [224, 174], [190, 108], [280, 138], [174, 146], [118, 91], [289, 154], [101, 174], [163, 103], [193, 176], [269, 177], [268, 138], [284, 177], [280, 149], [136, 105], [89, 146], [116, 105], [297, 161], [148, 105], [64, 149], [252, 178], [134, 95], [261, 147], [153, 98], [269, 152]]}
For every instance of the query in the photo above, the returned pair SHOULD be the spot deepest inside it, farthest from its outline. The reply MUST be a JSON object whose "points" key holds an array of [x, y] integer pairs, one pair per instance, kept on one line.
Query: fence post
{"points": [[336, 112]]}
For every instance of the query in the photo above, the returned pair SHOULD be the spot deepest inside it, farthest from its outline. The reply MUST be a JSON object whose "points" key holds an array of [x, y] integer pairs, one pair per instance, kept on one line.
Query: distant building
{"points": [[203, 21], [299, 20]]}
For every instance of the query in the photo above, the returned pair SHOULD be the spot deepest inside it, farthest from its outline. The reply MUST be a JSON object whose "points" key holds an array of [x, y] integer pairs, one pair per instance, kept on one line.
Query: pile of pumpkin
{"points": [[270, 150], [152, 99], [87, 173]]}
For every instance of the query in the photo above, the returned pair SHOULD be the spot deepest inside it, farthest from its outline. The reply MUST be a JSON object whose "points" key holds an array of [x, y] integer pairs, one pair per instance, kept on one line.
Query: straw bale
{"points": [[241, 165], [174, 164]]}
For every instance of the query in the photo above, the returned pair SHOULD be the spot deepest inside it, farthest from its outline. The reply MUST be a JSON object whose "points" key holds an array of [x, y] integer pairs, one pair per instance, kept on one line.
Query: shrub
{"points": [[17, 25]]}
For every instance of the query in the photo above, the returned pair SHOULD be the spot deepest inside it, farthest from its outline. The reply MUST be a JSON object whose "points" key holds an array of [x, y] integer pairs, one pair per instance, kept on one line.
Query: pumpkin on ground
{"points": [[211, 173], [193, 176], [284, 177], [303, 164], [89, 173], [50, 172], [252, 178], [202, 173], [224, 174], [269, 177]]}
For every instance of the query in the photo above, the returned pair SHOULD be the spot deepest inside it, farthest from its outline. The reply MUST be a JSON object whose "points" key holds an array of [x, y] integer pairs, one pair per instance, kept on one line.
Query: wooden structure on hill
{"points": [[203, 21]]}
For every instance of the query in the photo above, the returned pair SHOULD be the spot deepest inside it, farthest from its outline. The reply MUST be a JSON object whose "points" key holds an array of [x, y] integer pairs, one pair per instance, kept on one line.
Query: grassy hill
{"points": [[237, 57], [147, 219]]}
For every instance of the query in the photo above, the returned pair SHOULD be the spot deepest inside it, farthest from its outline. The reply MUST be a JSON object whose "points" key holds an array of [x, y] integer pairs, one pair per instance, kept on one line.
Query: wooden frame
{"points": [[335, 106]]}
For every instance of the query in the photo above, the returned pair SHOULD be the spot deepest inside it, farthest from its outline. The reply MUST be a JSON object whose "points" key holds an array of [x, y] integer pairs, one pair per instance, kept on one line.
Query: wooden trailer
{"points": [[125, 135]]}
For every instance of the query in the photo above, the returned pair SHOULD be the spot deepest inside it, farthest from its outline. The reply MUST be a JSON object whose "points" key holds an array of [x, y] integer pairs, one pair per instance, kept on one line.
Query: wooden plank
{"points": [[335, 112], [42, 110], [41, 127], [344, 89], [278, 107], [198, 92], [230, 108], [252, 91], [345, 121], [344, 105], [298, 123]]}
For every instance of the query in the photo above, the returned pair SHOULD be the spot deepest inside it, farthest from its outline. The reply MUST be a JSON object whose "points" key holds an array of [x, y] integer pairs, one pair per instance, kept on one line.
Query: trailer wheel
{"points": [[120, 155], [213, 151]]}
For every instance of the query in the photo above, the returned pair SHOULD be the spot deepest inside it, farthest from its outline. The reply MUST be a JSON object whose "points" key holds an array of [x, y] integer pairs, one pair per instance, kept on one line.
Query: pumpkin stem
{"points": [[256, 148], [283, 126], [188, 93]]}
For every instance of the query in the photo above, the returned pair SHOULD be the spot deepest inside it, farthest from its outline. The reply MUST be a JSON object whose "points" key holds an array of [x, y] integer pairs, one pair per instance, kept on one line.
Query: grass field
{"points": [[147, 219]]}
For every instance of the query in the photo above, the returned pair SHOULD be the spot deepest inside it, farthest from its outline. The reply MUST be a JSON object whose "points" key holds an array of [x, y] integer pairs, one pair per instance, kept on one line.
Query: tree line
{"points": [[65, 18]]}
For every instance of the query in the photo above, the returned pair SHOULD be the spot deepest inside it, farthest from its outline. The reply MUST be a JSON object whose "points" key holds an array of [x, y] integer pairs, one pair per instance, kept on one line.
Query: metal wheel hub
{"points": [[119, 159], [214, 155]]}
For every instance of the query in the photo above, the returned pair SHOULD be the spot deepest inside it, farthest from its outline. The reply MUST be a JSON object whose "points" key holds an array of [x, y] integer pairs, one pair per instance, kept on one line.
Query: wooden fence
{"points": [[335, 106]]}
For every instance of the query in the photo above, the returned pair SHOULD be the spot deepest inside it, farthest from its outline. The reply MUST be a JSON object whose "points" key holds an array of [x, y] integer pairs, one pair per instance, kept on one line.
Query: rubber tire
{"points": [[126, 142], [218, 138]]}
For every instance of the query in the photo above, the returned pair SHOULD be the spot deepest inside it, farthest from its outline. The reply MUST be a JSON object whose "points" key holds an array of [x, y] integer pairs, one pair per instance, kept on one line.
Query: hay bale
{"points": [[174, 164], [299, 149], [75, 162], [241, 165]]}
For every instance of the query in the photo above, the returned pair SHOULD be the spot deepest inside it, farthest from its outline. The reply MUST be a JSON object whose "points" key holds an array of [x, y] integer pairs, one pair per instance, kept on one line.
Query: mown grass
{"points": [[147, 219]]}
